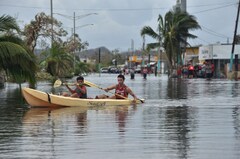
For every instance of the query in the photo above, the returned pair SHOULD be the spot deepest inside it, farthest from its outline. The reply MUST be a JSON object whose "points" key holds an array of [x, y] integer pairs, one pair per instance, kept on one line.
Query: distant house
{"points": [[140, 59], [191, 54], [101, 54]]}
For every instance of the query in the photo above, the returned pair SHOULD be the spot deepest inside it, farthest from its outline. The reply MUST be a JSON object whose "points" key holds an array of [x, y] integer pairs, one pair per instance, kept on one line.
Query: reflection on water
{"points": [[181, 118], [236, 126]]}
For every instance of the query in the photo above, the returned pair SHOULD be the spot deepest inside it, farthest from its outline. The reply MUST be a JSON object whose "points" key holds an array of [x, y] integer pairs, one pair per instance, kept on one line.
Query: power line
{"points": [[85, 9], [123, 9], [203, 40], [19, 6], [207, 5], [214, 33], [211, 9]]}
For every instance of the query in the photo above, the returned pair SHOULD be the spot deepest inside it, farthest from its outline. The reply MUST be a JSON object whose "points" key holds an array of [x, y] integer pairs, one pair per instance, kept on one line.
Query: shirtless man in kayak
{"points": [[121, 90], [79, 92]]}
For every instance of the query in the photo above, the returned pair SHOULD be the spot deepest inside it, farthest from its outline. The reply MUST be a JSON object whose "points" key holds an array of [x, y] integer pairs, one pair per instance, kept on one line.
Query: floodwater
{"points": [[180, 119]]}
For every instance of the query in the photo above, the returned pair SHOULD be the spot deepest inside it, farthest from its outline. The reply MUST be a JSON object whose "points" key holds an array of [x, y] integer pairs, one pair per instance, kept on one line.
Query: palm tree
{"points": [[15, 59], [82, 68], [56, 61], [172, 31]]}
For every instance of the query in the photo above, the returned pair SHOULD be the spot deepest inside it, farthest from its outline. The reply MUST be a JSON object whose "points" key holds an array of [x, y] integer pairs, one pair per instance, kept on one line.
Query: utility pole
{"points": [[144, 40], [132, 50], [233, 45], [74, 29], [74, 18], [99, 61], [51, 4]]}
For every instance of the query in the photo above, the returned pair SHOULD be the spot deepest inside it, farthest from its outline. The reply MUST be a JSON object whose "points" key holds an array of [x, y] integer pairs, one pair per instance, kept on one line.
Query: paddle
{"points": [[96, 86], [58, 83]]}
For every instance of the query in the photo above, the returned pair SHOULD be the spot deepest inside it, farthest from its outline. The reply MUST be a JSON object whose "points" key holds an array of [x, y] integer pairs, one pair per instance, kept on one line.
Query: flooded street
{"points": [[181, 118]]}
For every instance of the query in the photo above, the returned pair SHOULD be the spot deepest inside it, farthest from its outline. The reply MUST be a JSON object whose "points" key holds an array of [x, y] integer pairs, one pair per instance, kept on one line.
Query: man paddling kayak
{"points": [[121, 90], [80, 91]]}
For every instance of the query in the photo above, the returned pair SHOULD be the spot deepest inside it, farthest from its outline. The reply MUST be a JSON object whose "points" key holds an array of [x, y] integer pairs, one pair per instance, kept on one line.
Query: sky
{"points": [[117, 23]]}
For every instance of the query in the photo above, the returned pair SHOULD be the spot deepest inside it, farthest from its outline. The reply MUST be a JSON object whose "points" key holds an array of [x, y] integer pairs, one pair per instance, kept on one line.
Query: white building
{"points": [[219, 54]]}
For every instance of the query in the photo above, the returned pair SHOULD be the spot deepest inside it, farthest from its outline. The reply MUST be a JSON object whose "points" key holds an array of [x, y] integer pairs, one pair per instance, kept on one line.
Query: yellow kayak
{"points": [[37, 98]]}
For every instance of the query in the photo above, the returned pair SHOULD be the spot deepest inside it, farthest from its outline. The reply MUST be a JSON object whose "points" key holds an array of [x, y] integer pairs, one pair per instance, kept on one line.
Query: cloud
{"points": [[118, 22]]}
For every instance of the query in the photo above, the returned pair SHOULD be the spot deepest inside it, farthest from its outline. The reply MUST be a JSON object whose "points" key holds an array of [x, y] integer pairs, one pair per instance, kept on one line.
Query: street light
{"points": [[81, 26], [74, 40], [74, 18]]}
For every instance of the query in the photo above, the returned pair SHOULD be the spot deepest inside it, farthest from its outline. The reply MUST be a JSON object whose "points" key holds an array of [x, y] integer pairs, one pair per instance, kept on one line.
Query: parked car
{"points": [[104, 70], [113, 70], [138, 70]]}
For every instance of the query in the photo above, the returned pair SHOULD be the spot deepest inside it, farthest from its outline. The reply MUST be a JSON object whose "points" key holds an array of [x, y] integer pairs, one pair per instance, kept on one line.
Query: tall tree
{"points": [[41, 27], [15, 59], [75, 44]]}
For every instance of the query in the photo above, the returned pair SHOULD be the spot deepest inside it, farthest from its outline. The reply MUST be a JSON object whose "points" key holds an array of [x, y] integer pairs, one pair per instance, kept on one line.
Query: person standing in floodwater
{"points": [[190, 71], [132, 73], [155, 70], [208, 68], [145, 71]]}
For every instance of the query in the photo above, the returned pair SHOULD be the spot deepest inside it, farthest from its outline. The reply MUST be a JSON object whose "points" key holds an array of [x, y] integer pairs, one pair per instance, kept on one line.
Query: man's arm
{"points": [[72, 91], [109, 88], [131, 93]]}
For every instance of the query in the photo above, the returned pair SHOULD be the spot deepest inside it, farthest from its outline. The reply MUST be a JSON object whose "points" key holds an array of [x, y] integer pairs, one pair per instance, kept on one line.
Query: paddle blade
{"points": [[86, 85], [91, 84], [57, 83], [141, 100]]}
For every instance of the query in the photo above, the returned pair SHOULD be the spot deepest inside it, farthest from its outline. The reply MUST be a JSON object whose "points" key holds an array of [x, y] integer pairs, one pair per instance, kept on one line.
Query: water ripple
{"points": [[180, 119]]}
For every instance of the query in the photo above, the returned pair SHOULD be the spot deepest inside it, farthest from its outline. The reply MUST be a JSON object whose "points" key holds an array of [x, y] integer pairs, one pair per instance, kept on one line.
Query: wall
{"points": [[217, 51]]}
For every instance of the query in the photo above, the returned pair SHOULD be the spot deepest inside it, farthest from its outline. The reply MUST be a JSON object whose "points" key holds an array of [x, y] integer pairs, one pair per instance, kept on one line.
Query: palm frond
{"points": [[7, 22], [147, 30], [152, 46]]}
